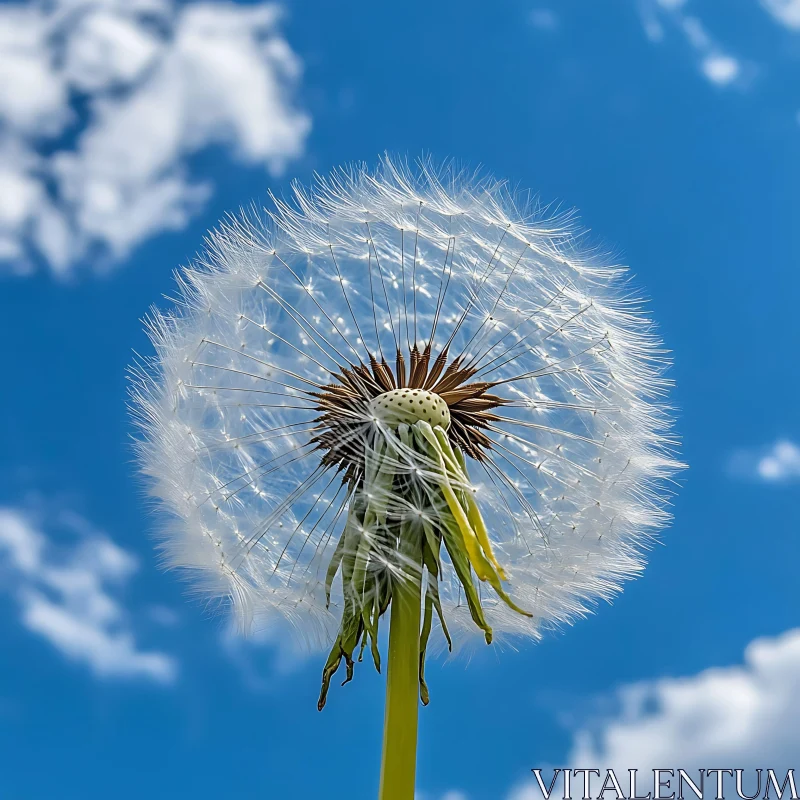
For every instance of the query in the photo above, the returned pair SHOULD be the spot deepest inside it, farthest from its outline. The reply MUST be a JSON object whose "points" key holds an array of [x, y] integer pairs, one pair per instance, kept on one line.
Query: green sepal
{"points": [[378, 531], [336, 558], [474, 551], [484, 561], [373, 632], [454, 543], [346, 641], [427, 621], [456, 458], [431, 559]]}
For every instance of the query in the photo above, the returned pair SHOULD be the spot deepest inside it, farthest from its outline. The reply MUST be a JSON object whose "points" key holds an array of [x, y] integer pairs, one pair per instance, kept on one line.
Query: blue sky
{"points": [[127, 130]]}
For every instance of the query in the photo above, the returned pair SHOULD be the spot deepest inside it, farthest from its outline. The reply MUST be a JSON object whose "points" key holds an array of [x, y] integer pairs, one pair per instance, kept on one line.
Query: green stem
{"points": [[399, 765]]}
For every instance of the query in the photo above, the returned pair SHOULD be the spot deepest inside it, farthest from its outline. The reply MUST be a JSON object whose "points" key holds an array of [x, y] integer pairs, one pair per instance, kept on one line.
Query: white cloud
{"points": [[717, 66], [779, 463], [786, 12], [164, 616], [739, 715], [525, 791], [696, 34], [68, 593], [287, 652], [108, 48], [651, 24], [544, 19], [158, 82], [720, 69]]}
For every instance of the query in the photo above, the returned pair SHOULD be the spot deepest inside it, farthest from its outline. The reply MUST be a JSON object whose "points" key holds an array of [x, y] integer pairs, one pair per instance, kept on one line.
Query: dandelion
{"points": [[405, 392]]}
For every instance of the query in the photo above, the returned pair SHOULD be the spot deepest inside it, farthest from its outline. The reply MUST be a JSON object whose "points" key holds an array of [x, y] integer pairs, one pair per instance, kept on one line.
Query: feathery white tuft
{"points": [[574, 487]]}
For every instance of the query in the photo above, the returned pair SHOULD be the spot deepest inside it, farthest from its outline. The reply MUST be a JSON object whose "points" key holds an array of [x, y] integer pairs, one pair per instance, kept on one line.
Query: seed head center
{"points": [[407, 406]]}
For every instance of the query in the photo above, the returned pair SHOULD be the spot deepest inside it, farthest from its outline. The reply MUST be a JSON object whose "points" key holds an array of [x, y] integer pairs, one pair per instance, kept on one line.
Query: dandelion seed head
{"points": [[569, 467]]}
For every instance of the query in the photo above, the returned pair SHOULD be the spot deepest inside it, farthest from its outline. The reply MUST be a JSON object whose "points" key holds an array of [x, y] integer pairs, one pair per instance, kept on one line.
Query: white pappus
{"points": [[276, 383]]}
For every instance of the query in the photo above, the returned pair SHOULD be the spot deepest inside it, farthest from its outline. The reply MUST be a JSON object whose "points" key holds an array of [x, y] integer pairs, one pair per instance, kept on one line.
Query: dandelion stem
{"points": [[399, 764]]}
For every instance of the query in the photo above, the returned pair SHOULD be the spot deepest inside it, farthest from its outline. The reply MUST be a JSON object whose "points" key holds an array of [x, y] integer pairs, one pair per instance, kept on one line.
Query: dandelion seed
{"points": [[424, 347]]}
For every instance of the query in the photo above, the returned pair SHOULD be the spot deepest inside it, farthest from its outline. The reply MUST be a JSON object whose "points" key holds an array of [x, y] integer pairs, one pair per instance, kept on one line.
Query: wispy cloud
{"points": [[103, 101], [525, 791], [161, 615], [714, 62], [720, 69], [778, 463], [68, 589], [786, 12], [545, 19], [278, 645], [741, 715]]}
